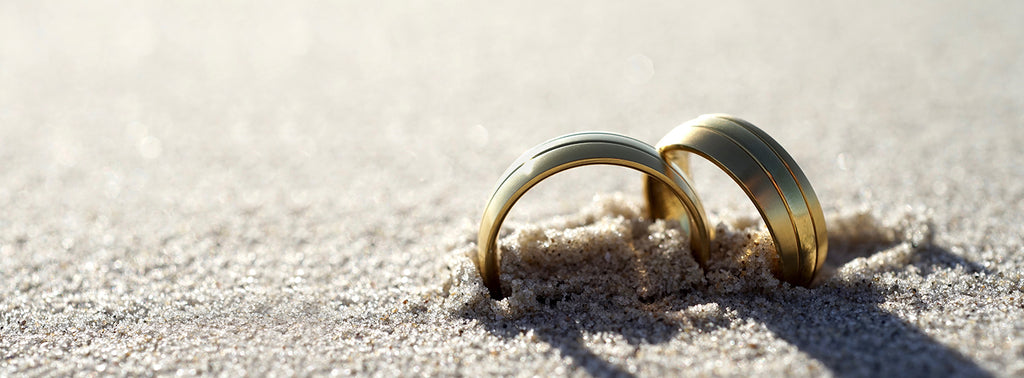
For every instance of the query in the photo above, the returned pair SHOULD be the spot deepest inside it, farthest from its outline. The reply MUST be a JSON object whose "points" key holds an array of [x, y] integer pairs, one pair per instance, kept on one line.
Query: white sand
{"points": [[212, 188]]}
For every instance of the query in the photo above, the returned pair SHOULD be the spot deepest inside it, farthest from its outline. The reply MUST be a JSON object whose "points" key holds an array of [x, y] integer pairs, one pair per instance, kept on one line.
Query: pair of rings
{"points": [[764, 170]]}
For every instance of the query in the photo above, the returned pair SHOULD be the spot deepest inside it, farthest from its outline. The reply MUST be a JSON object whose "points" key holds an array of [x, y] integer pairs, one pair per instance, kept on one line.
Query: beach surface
{"points": [[236, 188]]}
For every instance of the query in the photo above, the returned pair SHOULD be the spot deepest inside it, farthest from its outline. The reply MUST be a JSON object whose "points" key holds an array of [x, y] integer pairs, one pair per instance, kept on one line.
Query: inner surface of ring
{"points": [[605, 148]]}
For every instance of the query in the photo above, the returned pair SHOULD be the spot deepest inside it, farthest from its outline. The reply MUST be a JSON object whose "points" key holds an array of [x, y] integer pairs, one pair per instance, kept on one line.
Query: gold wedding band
{"points": [[768, 175], [580, 149]]}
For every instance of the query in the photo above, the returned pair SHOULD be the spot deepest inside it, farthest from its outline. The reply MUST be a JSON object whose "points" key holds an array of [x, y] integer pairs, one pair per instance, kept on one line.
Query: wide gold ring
{"points": [[576, 150], [768, 175]]}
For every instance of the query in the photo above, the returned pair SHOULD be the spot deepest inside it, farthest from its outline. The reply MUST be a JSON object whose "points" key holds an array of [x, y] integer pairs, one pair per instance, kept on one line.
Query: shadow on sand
{"points": [[840, 325]]}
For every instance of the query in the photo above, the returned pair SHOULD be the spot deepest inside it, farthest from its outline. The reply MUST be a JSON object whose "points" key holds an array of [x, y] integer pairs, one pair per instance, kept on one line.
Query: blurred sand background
{"points": [[290, 188]]}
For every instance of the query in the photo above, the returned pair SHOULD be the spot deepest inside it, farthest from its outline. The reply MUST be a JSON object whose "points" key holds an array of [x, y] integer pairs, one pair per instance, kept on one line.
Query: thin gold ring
{"points": [[769, 176], [574, 150]]}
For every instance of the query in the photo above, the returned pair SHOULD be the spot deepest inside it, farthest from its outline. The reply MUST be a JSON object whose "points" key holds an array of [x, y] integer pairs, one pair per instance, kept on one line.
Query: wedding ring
{"points": [[768, 175], [576, 150]]}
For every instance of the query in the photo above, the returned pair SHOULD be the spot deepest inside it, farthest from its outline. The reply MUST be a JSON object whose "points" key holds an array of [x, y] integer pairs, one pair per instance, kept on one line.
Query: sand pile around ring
{"points": [[616, 293], [608, 257]]}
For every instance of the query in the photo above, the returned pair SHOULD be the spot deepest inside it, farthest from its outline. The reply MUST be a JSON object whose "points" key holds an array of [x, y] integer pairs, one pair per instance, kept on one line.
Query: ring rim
{"points": [[768, 175], [576, 150]]}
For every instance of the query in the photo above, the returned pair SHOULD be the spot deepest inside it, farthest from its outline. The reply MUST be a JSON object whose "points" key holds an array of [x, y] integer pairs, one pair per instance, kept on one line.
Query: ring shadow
{"points": [[844, 327], [841, 326]]}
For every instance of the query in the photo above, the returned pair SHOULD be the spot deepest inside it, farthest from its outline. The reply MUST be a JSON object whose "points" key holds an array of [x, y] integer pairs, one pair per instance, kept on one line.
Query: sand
{"points": [[294, 189]]}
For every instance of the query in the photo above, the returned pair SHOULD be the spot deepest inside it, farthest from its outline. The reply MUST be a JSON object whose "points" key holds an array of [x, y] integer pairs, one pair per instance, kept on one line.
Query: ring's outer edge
{"points": [[800, 238], [571, 151], [817, 214]]}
